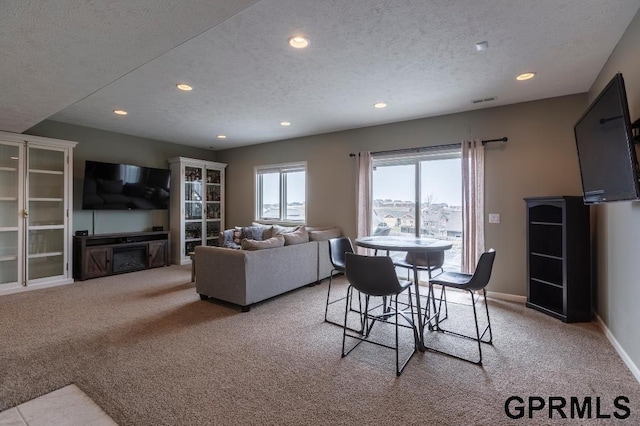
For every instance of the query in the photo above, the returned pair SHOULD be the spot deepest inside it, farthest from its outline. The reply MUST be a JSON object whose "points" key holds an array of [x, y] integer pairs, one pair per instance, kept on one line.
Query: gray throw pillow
{"points": [[250, 232], [226, 239], [267, 230]]}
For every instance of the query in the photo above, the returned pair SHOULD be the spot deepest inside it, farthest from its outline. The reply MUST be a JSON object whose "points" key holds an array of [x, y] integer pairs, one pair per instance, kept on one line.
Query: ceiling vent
{"points": [[479, 101]]}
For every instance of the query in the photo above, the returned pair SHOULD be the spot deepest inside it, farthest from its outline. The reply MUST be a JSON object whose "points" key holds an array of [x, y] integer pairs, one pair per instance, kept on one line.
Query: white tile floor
{"points": [[68, 406]]}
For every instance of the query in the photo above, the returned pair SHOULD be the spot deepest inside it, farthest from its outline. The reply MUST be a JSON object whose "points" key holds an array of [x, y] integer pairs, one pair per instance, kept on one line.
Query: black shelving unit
{"points": [[558, 257]]}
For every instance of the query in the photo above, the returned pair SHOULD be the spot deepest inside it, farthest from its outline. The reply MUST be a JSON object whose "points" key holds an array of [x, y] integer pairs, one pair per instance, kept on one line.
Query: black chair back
{"points": [[481, 277], [433, 260], [337, 249], [372, 275]]}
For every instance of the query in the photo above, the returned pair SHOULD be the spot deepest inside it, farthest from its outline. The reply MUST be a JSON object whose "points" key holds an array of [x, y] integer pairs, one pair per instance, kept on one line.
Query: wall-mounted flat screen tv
{"points": [[606, 149], [111, 186]]}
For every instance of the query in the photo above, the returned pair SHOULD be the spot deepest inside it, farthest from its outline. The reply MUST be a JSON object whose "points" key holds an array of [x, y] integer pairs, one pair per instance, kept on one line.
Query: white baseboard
{"points": [[506, 296], [19, 288], [623, 354]]}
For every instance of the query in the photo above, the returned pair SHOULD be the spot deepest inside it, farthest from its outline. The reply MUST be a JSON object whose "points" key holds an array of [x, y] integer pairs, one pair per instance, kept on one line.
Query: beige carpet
{"points": [[149, 352]]}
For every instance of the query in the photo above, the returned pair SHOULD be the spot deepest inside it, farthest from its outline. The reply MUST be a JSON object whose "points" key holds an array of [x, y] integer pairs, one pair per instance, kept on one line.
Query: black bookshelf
{"points": [[558, 257]]}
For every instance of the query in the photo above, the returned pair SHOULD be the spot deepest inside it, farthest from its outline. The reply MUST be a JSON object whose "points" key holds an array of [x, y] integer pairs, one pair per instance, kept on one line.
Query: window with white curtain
{"points": [[420, 194], [281, 192]]}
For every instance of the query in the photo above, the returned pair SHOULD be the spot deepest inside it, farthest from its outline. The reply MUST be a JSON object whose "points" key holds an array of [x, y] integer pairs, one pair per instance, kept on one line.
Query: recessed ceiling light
{"points": [[285, 123], [526, 76], [120, 112], [222, 136], [380, 105], [185, 87], [14, 158], [483, 45], [298, 41]]}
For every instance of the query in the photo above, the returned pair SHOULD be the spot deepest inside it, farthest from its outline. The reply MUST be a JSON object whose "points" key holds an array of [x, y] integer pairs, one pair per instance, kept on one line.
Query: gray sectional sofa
{"points": [[245, 277]]}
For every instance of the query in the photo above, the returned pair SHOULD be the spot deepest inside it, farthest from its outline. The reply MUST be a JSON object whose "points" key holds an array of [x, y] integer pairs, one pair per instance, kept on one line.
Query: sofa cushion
{"points": [[248, 244], [318, 228], [277, 229], [298, 236], [325, 234]]}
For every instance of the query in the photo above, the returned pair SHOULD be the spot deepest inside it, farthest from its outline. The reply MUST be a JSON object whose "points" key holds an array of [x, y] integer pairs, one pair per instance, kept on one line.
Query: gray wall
{"points": [[618, 224], [539, 159], [99, 145]]}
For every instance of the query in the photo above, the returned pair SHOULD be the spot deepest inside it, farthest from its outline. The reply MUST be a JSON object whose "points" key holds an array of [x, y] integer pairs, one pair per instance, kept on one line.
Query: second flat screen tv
{"points": [[606, 149], [111, 186]]}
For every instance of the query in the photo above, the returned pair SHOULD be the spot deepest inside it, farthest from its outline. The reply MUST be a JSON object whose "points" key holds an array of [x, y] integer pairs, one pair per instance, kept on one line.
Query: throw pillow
{"points": [[277, 241], [250, 232], [298, 236], [324, 235], [277, 229], [226, 239], [267, 230]]}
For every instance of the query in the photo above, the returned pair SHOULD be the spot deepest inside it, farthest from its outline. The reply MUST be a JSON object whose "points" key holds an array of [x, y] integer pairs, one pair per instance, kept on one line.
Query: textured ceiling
{"points": [[75, 62]]}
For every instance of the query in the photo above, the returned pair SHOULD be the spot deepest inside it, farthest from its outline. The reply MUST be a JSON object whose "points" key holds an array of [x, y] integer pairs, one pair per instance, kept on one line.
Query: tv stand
{"points": [[108, 254]]}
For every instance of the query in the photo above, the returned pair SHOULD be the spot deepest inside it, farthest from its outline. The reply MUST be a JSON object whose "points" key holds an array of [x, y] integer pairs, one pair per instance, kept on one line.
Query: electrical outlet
{"points": [[494, 218]]}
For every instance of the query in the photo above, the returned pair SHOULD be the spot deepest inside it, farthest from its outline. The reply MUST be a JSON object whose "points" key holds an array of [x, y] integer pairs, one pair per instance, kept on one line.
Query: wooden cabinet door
{"points": [[157, 254], [97, 262]]}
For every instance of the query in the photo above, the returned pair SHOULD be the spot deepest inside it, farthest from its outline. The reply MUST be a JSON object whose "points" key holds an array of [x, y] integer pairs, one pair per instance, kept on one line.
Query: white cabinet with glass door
{"points": [[197, 205], [35, 201]]}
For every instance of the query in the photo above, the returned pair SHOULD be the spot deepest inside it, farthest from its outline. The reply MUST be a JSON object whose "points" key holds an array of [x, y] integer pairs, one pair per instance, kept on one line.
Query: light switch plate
{"points": [[494, 218]]}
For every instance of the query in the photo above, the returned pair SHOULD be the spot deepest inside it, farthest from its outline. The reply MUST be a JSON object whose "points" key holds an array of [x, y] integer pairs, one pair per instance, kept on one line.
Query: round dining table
{"points": [[411, 245]]}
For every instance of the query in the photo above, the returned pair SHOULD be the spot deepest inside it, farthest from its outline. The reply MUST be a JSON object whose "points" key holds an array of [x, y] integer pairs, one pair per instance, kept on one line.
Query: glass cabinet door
{"points": [[9, 214], [193, 209], [213, 206], [45, 213]]}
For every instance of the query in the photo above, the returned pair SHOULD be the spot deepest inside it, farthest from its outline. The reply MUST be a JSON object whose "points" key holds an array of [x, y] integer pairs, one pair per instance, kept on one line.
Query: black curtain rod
{"points": [[503, 139], [428, 148]]}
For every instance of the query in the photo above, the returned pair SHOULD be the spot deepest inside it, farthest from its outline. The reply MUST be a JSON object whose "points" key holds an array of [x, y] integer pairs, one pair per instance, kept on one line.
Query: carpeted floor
{"points": [[149, 352]]}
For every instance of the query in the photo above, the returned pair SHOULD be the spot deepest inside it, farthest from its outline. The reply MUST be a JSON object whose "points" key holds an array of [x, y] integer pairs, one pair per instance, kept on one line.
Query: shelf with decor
{"points": [[197, 205]]}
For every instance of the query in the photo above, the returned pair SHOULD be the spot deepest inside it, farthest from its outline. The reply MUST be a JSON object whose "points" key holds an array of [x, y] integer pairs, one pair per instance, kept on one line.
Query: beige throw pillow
{"points": [[273, 242], [298, 236]]}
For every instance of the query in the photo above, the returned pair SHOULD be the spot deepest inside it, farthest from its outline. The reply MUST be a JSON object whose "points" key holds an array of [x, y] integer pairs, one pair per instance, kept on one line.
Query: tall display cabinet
{"points": [[197, 205], [35, 211]]}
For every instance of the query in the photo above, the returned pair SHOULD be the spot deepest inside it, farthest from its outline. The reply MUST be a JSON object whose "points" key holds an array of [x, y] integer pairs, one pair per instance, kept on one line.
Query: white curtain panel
{"points": [[364, 204], [472, 204]]}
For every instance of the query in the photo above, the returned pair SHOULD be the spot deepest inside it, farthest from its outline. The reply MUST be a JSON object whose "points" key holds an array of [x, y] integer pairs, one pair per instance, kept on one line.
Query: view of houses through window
{"points": [[420, 195], [281, 192]]}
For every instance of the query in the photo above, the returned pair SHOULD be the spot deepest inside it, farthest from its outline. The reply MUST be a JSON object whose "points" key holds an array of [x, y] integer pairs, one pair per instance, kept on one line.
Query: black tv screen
{"points": [[111, 186], [606, 150]]}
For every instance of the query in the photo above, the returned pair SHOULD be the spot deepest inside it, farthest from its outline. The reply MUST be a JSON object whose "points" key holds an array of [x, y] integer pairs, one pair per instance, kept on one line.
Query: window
{"points": [[281, 192], [420, 194]]}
